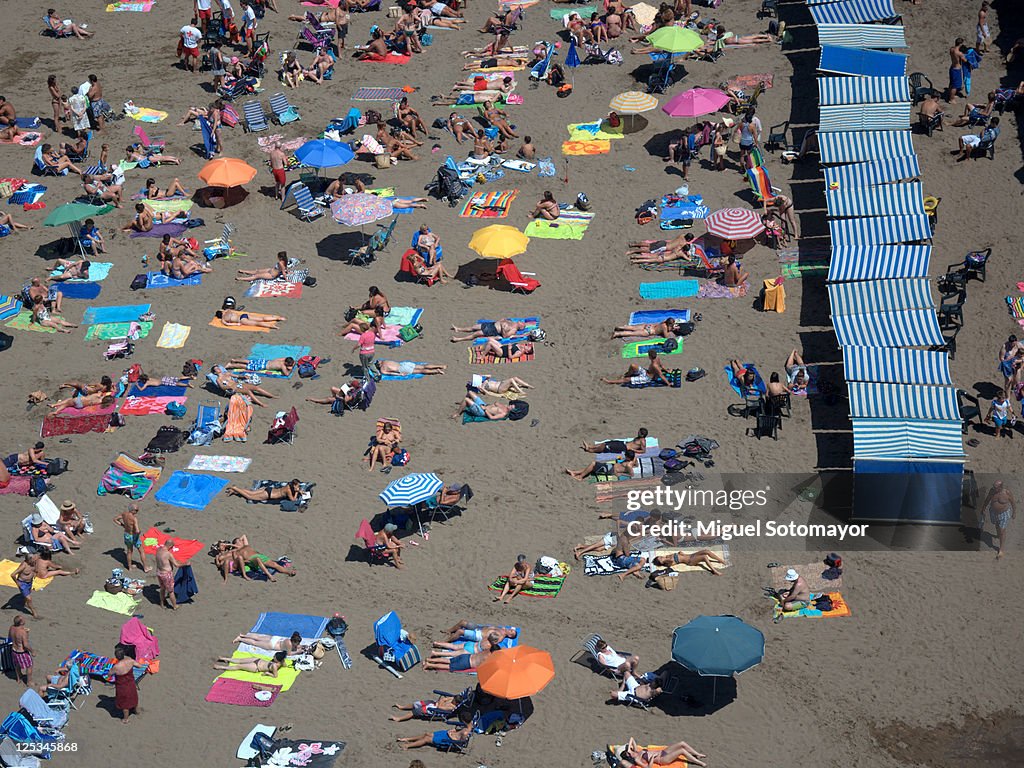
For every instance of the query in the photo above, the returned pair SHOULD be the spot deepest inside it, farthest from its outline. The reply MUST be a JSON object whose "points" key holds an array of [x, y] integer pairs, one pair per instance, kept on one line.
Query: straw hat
{"points": [[792, 575], [67, 506]]}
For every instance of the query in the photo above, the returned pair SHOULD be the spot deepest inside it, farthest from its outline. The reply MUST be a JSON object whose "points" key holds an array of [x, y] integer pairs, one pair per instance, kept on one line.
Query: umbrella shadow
{"points": [[219, 197], [336, 247], [691, 694]]}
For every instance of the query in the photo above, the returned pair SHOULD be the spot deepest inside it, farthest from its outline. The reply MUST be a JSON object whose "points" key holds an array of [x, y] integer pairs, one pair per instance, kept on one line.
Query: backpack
{"points": [[139, 282], [824, 604], [613, 119], [695, 374], [684, 329], [116, 420], [400, 459], [191, 367], [37, 487], [674, 465], [647, 212], [668, 453], [56, 467], [168, 440], [669, 345], [373, 117], [564, 91], [410, 332], [309, 281], [307, 365], [832, 560], [517, 409]]}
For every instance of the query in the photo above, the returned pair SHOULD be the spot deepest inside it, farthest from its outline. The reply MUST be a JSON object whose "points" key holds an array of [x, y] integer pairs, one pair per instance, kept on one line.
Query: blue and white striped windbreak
{"points": [[896, 366], [411, 489], [878, 262], [902, 401], [870, 296], [864, 117], [853, 12], [881, 230], [858, 61], [906, 438], [884, 200], [909, 328], [858, 147], [833, 91], [876, 172], [862, 35]]}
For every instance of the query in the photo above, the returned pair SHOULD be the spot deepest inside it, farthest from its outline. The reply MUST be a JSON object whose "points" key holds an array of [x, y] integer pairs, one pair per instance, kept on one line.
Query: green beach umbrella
{"points": [[675, 39], [71, 213]]}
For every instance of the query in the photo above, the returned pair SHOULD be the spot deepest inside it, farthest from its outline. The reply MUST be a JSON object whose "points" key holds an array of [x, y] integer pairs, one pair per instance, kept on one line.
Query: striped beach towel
{"points": [[239, 416], [173, 336], [543, 586], [489, 205], [479, 356], [368, 93], [1015, 305]]}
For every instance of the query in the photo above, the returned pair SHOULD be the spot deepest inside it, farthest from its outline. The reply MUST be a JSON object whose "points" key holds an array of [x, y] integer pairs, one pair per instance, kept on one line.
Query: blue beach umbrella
{"points": [[324, 153], [717, 646], [572, 59], [411, 489]]}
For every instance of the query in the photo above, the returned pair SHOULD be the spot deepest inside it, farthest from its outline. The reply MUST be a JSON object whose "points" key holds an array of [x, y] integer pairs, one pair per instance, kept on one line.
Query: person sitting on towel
{"points": [[797, 596], [477, 408], [622, 467], [518, 579], [289, 645], [462, 661], [408, 368], [638, 444], [546, 208], [702, 559], [466, 630], [282, 365], [268, 667], [733, 277], [441, 739], [289, 492], [637, 376], [424, 710], [623, 559]]}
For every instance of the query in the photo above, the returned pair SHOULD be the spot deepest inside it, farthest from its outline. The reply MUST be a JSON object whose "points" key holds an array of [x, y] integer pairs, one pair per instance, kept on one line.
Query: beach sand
{"points": [[930, 648]]}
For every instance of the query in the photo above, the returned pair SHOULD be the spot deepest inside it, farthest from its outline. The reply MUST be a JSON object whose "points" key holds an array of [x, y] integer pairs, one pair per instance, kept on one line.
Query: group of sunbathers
{"points": [[239, 556]]}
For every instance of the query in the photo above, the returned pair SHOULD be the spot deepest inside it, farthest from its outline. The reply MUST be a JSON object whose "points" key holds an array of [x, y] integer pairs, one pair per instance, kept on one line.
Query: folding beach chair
{"points": [[393, 645], [442, 512], [220, 246], [78, 685], [365, 254], [46, 717], [208, 424], [283, 428], [282, 112], [407, 268], [521, 282], [148, 144], [387, 231], [80, 157], [32, 543], [660, 80], [307, 208], [761, 185], [42, 168], [17, 728], [313, 38], [362, 401], [750, 100], [255, 117], [209, 141], [374, 551], [587, 655], [11, 757], [463, 701], [347, 124], [124, 346]]}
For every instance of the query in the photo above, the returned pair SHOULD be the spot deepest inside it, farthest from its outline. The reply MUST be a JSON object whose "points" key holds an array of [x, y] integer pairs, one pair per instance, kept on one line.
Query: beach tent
{"points": [[858, 61], [871, 296], [862, 35], [862, 90], [899, 366], [883, 200], [905, 438], [906, 328], [858, 146], [876, 262], [874, 172], [907, 490], [864, 117], [874, 400], [881, 230], [853, 12]]}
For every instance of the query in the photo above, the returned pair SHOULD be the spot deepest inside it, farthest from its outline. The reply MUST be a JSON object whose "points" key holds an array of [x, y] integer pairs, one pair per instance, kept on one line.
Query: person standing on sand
{"points": [[1001, 510], [126, 690], [166, 567], [983, 32], [957, 59], [129, 521], [21, 651], [277, 160]]}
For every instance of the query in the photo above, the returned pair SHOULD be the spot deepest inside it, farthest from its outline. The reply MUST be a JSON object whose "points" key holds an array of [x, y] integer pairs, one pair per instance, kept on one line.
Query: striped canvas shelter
{"points": [[883, 200], [868, 296], [909, 328], [862, 35], [878, 262], [858, 147], [902, 401], [864, 117], [907, 438], [862, 90], [896, 366], [858, 61], [876, 172], [883, 230], [853, 12]]}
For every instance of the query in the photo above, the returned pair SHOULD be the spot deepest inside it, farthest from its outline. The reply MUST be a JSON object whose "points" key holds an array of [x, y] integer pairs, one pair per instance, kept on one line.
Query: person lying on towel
{"points": [[467, 630], [477, 408], [646, 757], [232, 386], [461, 660], [441, 739], [424, 710], [621, 467], [501, 329], [638, 444], [637, 376], [234, 317], [289, 492], [282, 365], [241, 556], [268, 667], [497, 350], [291, 646]]}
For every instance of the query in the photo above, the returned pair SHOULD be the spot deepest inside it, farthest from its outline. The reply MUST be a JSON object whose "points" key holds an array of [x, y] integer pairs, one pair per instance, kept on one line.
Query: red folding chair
{"points": [[523, 282], [408, 268]]}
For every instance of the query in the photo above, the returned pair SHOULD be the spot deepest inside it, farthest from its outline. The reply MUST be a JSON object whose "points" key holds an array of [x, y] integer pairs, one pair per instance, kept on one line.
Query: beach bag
{"points": [[317, 651], [582, 202], [824, 604], [400, 459], [229, 116], [37, 487], [176, 410], [518, 409], [695, 374], [674, 465], [191, 367], [139, 282], [832, 560], [427, 39], [564, 91], [307, 365], [168, 440], [5, 341], [116, 420], [614, 121], [684, 329], [666, 580], [410, 332], [309, 281], [373, 117], [56, 467], [668, 453], [669, 345]]}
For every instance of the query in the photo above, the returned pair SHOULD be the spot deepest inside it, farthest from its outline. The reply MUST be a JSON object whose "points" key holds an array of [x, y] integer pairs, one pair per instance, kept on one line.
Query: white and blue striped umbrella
{"points": [[896, 366], [411, 489], [864, 117], [902, 401], [861, 62], [878, 262], [862, 35], [871, 296], [883, 200], [875, 172], [880, 230], [907, 438], [833, 91], [853, 12], [909, 328], [859, 146]]}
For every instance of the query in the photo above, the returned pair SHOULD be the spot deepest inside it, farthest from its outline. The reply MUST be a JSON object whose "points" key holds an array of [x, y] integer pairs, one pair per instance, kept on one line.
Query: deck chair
{"points": [[781, 404], [32, 543], [305, 206], [442, 512], [148, 144], [768, 8], [283, 428], [750, 100], [539, 71], [80, 157], [521, 282], [46, 717], [969, 408], [778, 137], [18, 728], [78, 685], [208, 424], [220, 246], [209, 141], [393, 645], [920, 87], [362, 401], [348, 123], [661, 78], [931, 124], [282, 111], [587, 654], [463, 701], [374, 552], [951, 310], [761, 185], [42, 168], [12, 758], [255, 117], [975, 264], [407, 268], [948, 344], [313, 38], [987, 148], [366, 253], [387, 231]]}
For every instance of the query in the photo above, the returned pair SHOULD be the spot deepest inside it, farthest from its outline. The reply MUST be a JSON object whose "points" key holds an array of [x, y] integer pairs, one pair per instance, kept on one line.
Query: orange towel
{"points": [[596, 147], [239, 416], [217, 323]]}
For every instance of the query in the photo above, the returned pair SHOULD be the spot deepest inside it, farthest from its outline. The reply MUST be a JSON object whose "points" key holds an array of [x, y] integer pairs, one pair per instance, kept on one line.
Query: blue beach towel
{"points": [[670, 289], [395, 377], [158, 391], [79, 290], [759, 384], [117, 314], [397, 211], [273, 351], [98, 272], [532, 323], [160, 280], [659, 316], [283, 624], [190, 491]]}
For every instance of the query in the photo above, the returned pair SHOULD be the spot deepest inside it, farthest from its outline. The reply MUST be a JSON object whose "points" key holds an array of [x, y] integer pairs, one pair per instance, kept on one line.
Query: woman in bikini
{"points": [[144, 158], [42, 316], [645, 330], [701, 559], [289, 645], [421, 269], [289, 492], [359, 324], [153, 192], [636, 755], [385, 445], [277, 272], [409, 117], [234, 317], [61, 111], [267, 667], [73, 270], [662, 257], [495, 387]]}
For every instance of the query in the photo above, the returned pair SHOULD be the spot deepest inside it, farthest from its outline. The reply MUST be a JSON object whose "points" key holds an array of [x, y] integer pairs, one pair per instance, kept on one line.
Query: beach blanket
{"points": [[121, 7], [759, 384], [129, 476], [109, 331], [642, 316], [818, 576], [597, 130], [91, 664], [79, 290], [173, 336], [543, 586], [19, 486], [670, 289], [634, 349], [184, 489], [159, 230], [219, 463], [797, 271], [23, 322], [712, 289], [1014, 303], [602, 565], [391, 58], [147, 115], [218, 323], [840, 609], [239, 418], [93, 418], [583, 10], [587, 147], [25, 139], [122, 602], [7, 567], [369, 93], [403, 316], [183, 549], [570, 225], [389, 337], [274, 289], [479, 356], [681, 762], [653, 448], [747, 83], [116, 314], [98, 272], [160, 280], [170, 205], [149, 405], [285, 676], [240, 693], [396, 377], [489, 205], [284, 624], [274, 351]]}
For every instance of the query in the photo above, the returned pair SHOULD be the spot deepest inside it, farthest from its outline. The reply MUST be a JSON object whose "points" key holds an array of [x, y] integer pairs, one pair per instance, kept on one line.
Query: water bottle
{"points": [[145, 259]]}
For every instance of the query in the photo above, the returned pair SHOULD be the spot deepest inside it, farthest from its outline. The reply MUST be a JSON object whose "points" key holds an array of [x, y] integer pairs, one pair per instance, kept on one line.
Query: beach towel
{"points": [[121, 7], [147, 115], [543, 586], [602, 565], [645, 468], [93, 418], [239, 417], [7, 567], [218, 323], [183, 549], [813, 377], [818, 576], [597, 130], [122, 602], [583, 10], [159, 230], [274, 351], [98, 272], [219, 463], [149, 405], [396, 377], [563, 228], [285, 676], [19, 486], [23, 322], [391, 58], [369, 93], [284, 624], [274, 289], [681, 762], [797, 271], [747, 83], [389, 337], [25, 139], [173, 336], [478, 356], [173, 391], [160, 280], [116, 314], [712, 289], [840, 609], [240, 693], [642, 316], [489, 205], [79, 290], [634, 349], [403, 316], [1014, 304], [184, 489], [109, 331], [759, 384], [170, 205], [91, 664], [670, 289], [129, 476], [653, 448], [587, 147]]}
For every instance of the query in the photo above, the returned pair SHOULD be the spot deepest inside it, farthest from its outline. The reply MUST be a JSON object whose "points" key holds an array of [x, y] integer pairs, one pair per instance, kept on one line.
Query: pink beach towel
{"points": [[147, 406], [19, 485], [391, 58], [240, 693], [390, 335], [134, 632]]}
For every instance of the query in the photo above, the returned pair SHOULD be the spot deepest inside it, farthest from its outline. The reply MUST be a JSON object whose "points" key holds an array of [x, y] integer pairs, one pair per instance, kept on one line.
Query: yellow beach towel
{"points": [[285, 676], [598, 147], [7, 567]]}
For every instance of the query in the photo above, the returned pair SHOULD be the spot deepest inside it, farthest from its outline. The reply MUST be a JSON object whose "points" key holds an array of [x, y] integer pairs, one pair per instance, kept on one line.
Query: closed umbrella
{"points": [[73, 213], [324, 153], [717, 646], [515, 673], [675, 39], [499, 241], [734, 224], [360, 208], [695, 102], [411, 489], [227, 172], [572, 59]]}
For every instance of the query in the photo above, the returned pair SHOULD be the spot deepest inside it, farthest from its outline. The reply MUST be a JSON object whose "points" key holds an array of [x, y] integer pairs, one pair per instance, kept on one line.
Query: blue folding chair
{"points": [[282, 110], [255, 117], [393, 646], [43, 168], [18, 728], [307, 208]]}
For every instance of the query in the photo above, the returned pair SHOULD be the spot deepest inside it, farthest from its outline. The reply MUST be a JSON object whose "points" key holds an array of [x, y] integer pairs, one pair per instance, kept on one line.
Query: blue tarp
{"points": [[283, 624]]}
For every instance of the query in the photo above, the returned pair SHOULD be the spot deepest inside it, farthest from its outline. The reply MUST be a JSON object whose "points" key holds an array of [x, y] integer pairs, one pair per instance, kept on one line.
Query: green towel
{"points": [[556, 230], [108, 331], [285, 676], [584, 11], [639, 348], [400, 316], [171, 205], [119, 603], [604, 131], [23, 322], [468, 418], [543, 586]]}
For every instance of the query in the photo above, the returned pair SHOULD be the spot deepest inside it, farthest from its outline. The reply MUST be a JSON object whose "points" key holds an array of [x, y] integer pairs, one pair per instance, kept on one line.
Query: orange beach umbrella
{"points": [[227, 172], [514, 673]]}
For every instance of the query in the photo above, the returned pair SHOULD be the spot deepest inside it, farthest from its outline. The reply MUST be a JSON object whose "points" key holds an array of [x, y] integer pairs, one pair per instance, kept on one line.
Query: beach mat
{"points": [[634, 349], [286, 676], [494, 204], [160, 280], [109, 331], [798, 271], [368, 93], [477, 357], [712, 289], [748, 83], [173, 336], [175, 204], [543, 586], [93, 418], [201, 463], [391, 58], [18, 486], [122, 602], [23, 322], [840, 609], [395, 377], [217, 323], [284, 624], [159, 230], [7, 567], [190, 491], [183, 549], [586, 147], [79, 290], [240, 693], [274, 289], [680, 762], [597, 130], [642, 316], [121, 7], [583, 10], [570, 225], [819, 577], [670, 289], [149, 405], [124, 313], [273, 351]]}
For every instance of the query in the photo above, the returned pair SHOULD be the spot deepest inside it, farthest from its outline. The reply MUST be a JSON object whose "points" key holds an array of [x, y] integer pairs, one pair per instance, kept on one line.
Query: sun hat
{"points": [[792, 575], [67, 506]]}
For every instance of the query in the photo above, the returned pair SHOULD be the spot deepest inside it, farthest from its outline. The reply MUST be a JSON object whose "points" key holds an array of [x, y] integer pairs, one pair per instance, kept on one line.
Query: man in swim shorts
{"points": [[465, 630], [638, 444], [129, 521], [446, 740], [503, 329], [462, 661], [166, 566]]}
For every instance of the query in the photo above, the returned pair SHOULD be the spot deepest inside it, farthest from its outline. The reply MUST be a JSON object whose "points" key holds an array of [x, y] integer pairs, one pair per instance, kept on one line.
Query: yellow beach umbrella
{"points": [[633, 103], [499, 241], [675, 39]]}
